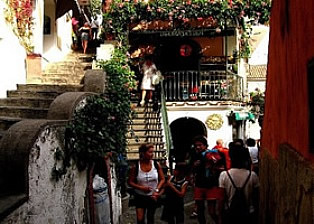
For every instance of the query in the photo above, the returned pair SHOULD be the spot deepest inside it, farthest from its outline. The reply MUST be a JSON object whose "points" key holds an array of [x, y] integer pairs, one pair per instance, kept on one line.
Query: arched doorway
{"points": [[183, 131]]}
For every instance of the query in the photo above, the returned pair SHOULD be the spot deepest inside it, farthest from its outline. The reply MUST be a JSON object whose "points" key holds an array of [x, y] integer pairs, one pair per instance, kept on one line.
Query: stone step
{"points": [[147, 126], [145, 121], [135, 146], [141, 132], [158, 154], [144, 139], [31, 94], [142, 115], [50, 88], [26, 102], [6, 122], [65, 76], [61, 81], [24, 112]]}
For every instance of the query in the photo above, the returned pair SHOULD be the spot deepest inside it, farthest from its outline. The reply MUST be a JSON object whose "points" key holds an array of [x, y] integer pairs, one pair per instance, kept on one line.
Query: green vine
{"points": [[122, 13], [99, 128]]}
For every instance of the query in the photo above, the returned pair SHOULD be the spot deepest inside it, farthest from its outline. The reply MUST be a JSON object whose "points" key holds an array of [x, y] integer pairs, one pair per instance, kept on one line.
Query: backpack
{"points": [[214, 163], [238, 210]]}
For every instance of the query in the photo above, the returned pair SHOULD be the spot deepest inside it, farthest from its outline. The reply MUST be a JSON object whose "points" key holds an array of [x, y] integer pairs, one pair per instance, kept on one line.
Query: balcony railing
{"points": [[202, 85]]}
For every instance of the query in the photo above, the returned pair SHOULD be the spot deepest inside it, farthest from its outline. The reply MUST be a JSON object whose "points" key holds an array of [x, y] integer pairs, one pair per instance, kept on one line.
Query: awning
{"points": [[240, 116]]}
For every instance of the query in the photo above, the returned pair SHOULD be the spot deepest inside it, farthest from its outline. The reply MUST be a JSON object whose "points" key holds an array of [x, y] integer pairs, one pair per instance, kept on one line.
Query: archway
{"points": [[183, 131]]}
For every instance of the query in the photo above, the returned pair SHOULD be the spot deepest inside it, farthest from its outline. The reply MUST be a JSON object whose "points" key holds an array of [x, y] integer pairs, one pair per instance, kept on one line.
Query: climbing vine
{"points": [[99, 128], [19, 15]]}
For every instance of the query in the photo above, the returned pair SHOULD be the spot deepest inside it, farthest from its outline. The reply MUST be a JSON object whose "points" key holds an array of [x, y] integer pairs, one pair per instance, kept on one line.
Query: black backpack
{"points": [[238, 210]]}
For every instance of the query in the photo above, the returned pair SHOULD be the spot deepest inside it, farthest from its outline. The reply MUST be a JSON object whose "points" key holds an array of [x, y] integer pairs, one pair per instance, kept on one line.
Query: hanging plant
{"points": [[222, 13], [19, 15]]}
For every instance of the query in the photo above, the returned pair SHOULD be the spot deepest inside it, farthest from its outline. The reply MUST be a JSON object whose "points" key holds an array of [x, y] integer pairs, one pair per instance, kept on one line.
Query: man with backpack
{"points": [[207, 165], [241, 189]]}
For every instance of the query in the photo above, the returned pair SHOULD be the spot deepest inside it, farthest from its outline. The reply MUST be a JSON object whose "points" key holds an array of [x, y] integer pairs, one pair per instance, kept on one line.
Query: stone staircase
{"points": [[68, 71], [146, 127], [32, 101]]}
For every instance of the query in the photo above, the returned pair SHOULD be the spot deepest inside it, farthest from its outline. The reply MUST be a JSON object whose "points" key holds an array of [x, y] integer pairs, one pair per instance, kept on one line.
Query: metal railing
{"points": [[164, 114], [202, 85]]}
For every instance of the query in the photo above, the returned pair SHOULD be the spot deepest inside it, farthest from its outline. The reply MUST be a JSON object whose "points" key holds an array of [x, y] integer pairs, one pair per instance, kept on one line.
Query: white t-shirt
{"points": [[148, 179], [254, 154], [239, 177]]}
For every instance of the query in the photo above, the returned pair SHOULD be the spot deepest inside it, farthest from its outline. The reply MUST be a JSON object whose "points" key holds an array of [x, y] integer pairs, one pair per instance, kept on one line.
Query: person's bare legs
{"points": [[85, 43], [211, 205], [140, 213], [143, 97], [150, 96]]}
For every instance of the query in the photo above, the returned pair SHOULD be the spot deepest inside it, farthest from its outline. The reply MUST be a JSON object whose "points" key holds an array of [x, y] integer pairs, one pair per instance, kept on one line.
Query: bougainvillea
{"points": [[19, 15], [239, 13]]}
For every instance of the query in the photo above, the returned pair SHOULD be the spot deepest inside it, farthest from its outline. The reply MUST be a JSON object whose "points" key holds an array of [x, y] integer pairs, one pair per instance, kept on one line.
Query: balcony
{"points": [[207, 85]]}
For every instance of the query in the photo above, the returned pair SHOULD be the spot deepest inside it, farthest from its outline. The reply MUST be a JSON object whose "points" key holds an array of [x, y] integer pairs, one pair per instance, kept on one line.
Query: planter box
{"points": [[33, 68]]}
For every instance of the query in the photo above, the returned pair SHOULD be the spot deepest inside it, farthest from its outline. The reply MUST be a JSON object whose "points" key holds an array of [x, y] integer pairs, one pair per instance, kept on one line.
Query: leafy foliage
{"points": [[122, 13], [258, 104], [99, 128]]}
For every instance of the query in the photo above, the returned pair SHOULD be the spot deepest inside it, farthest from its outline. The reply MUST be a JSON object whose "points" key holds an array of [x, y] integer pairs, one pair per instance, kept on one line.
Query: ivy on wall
{"points": [[99, 128]]}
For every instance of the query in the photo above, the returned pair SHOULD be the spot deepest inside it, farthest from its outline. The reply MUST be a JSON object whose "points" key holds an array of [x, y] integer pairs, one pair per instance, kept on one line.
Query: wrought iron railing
{"points": [[202, 85], [164, 114]]}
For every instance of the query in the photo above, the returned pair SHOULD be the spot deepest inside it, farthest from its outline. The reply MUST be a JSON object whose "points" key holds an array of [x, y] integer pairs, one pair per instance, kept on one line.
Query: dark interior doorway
{"points": [[183, 131]]}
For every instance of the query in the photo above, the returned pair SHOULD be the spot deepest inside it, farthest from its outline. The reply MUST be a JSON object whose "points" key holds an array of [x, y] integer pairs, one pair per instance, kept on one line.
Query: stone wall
{"points": [[287, 188], [51, 201]]}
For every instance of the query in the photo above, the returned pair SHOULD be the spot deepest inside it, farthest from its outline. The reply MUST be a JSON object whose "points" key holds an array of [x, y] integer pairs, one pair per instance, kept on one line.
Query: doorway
{"points": [[183, 130]]}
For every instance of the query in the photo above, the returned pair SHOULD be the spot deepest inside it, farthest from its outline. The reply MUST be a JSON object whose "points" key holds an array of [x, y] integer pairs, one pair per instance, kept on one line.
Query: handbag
{"points": [[156, 78]]}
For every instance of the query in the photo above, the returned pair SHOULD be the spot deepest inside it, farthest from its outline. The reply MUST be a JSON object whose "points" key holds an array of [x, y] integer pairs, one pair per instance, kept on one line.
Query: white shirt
{"points": [[254, 154], [239, 177], [148, 179]]}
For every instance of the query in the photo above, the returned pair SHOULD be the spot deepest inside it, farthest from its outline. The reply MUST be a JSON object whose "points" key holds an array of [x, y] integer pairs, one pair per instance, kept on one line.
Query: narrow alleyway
{"points": [[129, 217]]}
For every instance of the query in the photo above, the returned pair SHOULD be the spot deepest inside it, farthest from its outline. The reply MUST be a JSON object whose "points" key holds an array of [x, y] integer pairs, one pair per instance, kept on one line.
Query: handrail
{"points": [[163, 110]]}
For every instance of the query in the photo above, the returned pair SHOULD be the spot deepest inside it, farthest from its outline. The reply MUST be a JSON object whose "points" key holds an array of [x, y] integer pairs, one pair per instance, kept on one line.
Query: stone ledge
{"points": [[9, 203]]}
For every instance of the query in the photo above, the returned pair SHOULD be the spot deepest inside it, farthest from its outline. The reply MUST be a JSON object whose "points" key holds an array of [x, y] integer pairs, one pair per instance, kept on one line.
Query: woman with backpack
{"points": [[241, 189], [147, 179]]}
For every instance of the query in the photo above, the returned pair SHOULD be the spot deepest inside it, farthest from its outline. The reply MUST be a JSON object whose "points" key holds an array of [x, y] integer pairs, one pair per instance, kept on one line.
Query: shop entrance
{"points": [[183, 131]]}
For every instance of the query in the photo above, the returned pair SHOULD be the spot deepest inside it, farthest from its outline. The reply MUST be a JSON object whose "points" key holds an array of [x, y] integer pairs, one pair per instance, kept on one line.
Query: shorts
{"points": [[84, 36], [143, 201], [173, 213], [214, 193]]}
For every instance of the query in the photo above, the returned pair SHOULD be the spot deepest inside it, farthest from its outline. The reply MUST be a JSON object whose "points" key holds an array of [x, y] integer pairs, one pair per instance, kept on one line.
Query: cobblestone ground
{"points": [[129, 217]]}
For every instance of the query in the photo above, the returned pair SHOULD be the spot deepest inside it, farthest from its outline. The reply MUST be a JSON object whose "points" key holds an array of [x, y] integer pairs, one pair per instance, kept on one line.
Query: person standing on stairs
{"points": [[85, 35], [148, 70]]}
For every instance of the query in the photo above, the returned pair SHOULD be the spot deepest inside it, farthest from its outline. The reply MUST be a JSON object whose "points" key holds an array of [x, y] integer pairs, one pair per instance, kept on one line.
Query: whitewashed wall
{"points": [[50, 201], [58, 43], [201, 113], [12, 57]]}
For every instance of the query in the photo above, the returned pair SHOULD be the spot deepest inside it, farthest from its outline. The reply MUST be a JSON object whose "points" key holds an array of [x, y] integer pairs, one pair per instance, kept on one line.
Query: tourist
{"points": [[148, 70], [207, 167], [242, 178], [147, 179], [85, 35]]}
